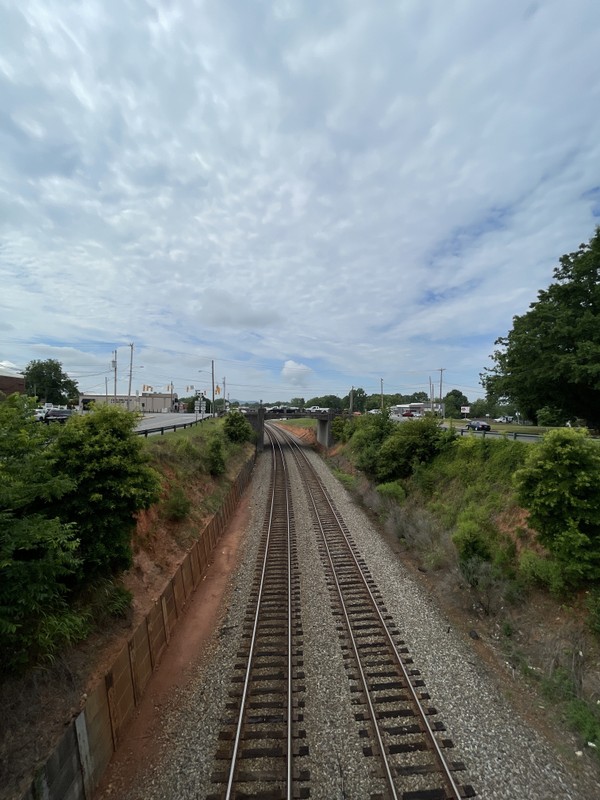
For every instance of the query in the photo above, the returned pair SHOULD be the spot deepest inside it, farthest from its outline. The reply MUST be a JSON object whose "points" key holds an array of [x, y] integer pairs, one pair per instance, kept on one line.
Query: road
{"points": [[151, 421]]}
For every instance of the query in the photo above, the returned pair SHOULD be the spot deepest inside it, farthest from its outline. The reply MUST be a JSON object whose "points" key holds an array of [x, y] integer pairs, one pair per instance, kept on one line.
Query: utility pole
{"points": [[382, 395], [130, 371], [106, 389], [115, 369], [224, 394], [212, 408], [442, 370], [351, 399]]}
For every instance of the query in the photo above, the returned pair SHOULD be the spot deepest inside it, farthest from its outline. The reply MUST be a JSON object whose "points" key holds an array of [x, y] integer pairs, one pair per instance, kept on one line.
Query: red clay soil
{"points": [[185, 650]]}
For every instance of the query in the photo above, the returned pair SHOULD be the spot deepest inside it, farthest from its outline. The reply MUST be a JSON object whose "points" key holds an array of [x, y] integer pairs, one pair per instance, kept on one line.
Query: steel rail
{"points": [[298, 454], [239, 727]]}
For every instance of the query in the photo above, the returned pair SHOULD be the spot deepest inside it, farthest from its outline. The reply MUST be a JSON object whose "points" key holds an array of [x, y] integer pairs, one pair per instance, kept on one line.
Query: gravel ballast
{"points": [[504, 757]]}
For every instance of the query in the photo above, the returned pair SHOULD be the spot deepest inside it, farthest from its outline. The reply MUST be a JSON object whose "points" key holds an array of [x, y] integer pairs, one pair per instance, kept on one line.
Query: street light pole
{"points": [[130, 371]]}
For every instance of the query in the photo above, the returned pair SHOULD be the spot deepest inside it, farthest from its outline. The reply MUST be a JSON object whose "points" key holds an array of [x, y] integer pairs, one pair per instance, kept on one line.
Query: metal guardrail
{"points": [[172, 427], [506, 434]]}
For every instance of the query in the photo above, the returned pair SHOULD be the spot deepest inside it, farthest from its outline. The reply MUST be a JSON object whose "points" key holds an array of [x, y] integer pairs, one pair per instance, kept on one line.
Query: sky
{"points": [[310, 194]]}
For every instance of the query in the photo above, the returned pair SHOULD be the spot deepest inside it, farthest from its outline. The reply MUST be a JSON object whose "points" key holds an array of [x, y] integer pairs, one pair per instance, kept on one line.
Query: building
{"points": [[11, 382], [146, 402]]}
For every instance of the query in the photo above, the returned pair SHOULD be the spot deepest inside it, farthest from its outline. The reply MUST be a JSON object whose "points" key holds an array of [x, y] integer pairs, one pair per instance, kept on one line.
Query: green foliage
{"points": [[215, 456], [106, 599], [108, 466], [471, 541], [177, 505], [237, 428], [369, 434], [46, 380], [327, 401], [551, 356], [585, 720], [560, 486], [593, 608], [452, 403], [342, 428], [37, 551], [408, 445], [539, 570], [392, 491], [551, 417]]}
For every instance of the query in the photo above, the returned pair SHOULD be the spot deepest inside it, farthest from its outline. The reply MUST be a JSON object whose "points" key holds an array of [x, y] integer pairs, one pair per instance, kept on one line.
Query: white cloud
{"points": [[358, 193]]}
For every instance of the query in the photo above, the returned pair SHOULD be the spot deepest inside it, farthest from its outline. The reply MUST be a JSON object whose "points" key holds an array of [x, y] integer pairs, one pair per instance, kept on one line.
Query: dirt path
{"points": [[186, 651]]}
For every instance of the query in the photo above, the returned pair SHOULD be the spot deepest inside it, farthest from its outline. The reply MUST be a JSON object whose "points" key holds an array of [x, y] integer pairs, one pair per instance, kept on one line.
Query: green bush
{"points": [[237, 428], [539, 570], [108, 466], [409, 445], [392, 491], [560, 486], [214, 455], [177, 505], [471, 541]]}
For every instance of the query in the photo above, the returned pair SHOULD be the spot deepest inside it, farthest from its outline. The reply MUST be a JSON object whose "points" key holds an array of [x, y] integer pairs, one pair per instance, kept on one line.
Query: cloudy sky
{"points": [[314, 194]]}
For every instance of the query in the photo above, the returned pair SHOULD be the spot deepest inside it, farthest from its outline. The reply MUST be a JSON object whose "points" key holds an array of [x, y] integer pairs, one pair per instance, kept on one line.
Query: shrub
{"points": [[177, 505], [214, 456], [107, 463], [411, 444], [237, 428], [392, 491], [560, 486], [470, 541], [542, 571]]}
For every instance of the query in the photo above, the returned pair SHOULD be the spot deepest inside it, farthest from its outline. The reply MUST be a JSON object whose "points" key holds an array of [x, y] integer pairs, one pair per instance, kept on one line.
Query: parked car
{"points": [[407, 414], [477, 425], [504, 419], [60, 415]]}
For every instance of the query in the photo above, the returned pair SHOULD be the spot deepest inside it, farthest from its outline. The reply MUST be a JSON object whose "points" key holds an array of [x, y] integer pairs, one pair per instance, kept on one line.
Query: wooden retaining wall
{"points": [[78, 762]]}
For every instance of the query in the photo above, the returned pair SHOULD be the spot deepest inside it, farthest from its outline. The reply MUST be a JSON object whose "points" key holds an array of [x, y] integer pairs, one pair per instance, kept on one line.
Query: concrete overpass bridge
{"points": [[257, 417]]}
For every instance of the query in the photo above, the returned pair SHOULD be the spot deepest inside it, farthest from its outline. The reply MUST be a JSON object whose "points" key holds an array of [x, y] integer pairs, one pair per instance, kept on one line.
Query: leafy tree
{"points": [[411, 443], [47, 381], [359, 398], [372, 402], [107, 464], [298, 402], [369, 434], [479, 408], [327, 401], [452, 403], [237, 428], [551, 357], [560, 486], [37, 551]]}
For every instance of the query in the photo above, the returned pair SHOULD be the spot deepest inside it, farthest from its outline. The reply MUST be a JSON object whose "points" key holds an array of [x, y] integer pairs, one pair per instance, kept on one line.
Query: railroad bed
{"points": [[329, 671]]}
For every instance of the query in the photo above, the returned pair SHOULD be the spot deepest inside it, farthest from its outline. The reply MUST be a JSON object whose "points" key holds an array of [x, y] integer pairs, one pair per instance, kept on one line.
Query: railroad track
{"points": [[264, 752], [398, 724], [262, 741]]}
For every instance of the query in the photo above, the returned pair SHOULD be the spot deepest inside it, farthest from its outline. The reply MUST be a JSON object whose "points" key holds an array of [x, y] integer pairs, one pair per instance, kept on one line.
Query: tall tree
{"points": [[47, 381], [551, 357], [452, 403], [37, 552]]}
